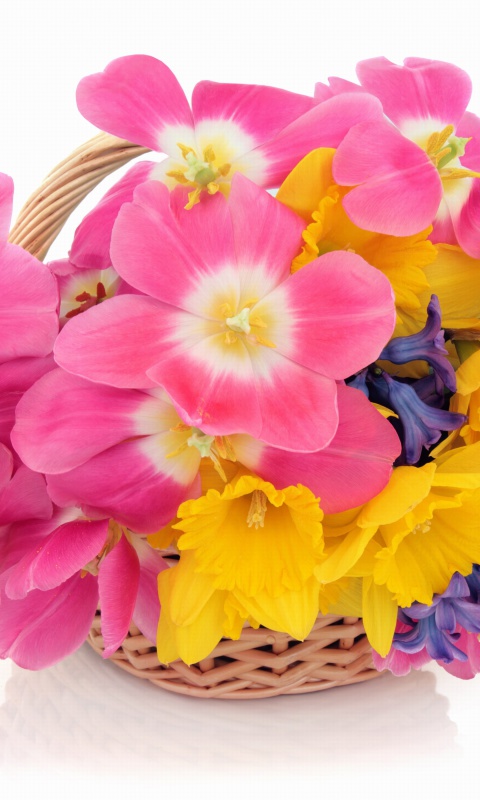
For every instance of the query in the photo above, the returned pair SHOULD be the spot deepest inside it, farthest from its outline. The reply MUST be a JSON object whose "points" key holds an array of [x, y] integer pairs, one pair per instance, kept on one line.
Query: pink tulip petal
{"points": [[6, 202], [15, 377], [343, 311], [91, 244], [335, 86], [62, 421], [421, 89], [267, 234], [25, 497], [6, 466], [400, 663], [19, 374], [466, 224], [62, 554], [28, 305], [147, 606], [120, 341], [360, 457], [20, 538], [132, 482], [250, 394], [469, 127], [118, 579], [45, 627], [468, 642], [137, 98], [396, 176], [324, 126], [149, 245], [261, 112]]}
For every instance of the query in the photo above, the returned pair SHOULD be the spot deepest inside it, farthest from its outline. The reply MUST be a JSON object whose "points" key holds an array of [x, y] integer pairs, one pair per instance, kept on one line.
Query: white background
{"points": [[83, 726]]}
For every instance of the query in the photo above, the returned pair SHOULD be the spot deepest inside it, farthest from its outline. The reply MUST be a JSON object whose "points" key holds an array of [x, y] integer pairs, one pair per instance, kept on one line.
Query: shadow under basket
{"points": [[262, 663]]}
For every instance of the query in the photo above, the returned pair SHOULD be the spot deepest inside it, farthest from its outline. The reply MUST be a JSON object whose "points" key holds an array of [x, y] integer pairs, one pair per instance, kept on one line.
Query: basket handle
{"points": [[46, 211]]}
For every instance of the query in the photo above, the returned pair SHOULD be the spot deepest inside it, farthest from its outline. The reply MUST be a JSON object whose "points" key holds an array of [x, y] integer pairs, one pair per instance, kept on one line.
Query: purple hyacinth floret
{"points": [[422, 424], [435, 627], [426, 345]]}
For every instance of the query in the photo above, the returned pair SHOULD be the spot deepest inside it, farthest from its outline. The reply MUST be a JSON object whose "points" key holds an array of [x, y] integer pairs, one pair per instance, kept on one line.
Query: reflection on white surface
{"points": [[84, 710]]}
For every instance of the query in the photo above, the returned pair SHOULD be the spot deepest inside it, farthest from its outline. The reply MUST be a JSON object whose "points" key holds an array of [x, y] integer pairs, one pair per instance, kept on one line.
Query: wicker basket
{"points": [[262, 663]]}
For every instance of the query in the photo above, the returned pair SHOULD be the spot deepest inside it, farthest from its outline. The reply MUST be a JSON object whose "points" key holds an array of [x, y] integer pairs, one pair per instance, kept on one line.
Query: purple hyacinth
{"points": [[436, 627], [422, 424], [426, 345]]}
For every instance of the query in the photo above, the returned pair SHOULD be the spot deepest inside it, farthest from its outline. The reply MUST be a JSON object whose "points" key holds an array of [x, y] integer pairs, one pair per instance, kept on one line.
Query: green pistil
{"points": [[202, 441], [457, 146]]}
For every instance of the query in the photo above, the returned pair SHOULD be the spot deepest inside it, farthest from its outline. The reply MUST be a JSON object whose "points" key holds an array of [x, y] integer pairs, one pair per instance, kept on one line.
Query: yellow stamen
{"points": [[179, 176], [115, 533], [193, 198], [212, 187], [208, 154], [226, 310], [177, 451], [257, 510], [265, 342], [217, 466], [224, 170], [436, 141], [230, 337], [447, 174], [258, 322], [224, 447], [180, 426], [185, 150]]}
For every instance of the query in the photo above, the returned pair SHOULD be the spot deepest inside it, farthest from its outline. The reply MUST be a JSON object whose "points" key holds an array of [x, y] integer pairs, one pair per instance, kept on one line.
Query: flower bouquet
{"points": [[241, 420]]}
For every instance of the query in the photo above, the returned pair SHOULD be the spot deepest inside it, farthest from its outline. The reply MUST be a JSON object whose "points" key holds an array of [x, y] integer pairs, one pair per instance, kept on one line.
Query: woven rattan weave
{"points": [[262, 663]]}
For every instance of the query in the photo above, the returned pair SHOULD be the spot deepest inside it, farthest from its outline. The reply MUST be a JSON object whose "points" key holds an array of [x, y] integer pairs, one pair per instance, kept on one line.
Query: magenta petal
{"points": [[267, 234], [147, 606], [15, 377], [469, 127], [259, 111], [344, 311], [63, 420], [421, 89], [466, 224], [137, 98], [6, 202], [6, 466], [91, 244], [149, 245], [401, 663], [324, 126], [25, 497], [66, 551], [124, 483], [396, 176], [118, 579], [28, 305], [120, 341], [360, 457], [468, 642], [217, 400], [45, 627], [335, 86]]}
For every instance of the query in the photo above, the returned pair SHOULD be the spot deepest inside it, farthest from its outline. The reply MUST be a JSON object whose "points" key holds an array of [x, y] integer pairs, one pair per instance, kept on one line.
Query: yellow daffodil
{"points": [[408, 541], [247, 554], [311, 192]]}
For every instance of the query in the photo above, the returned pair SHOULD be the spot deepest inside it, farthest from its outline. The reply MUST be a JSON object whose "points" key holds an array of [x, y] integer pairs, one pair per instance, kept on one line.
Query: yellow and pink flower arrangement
{"points": [[250, 394]]}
